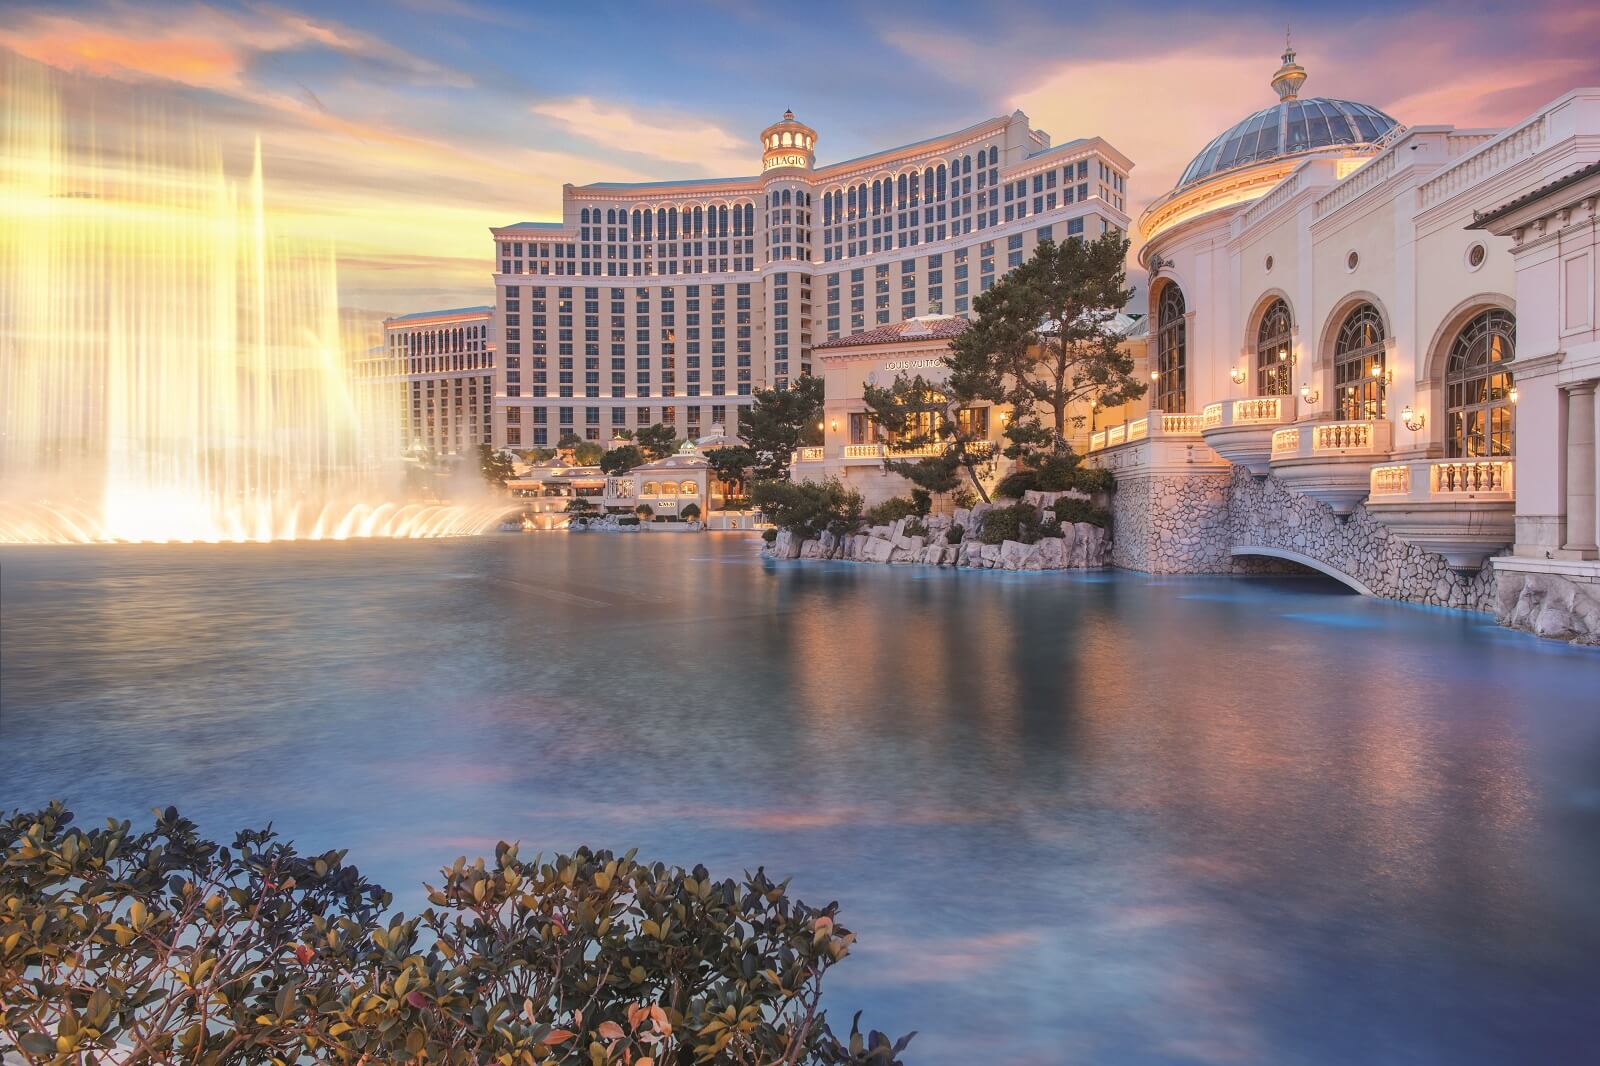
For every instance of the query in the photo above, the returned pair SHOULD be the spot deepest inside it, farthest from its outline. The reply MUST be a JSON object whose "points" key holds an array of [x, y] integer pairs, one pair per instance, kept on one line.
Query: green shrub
{"points": [[690, 512], [1069, 509], [161, 946], [1014, 484], [915, 527], [1057, 473], [1051, 529], [1092, 480], [922, 500], [963, 498], [891, 510], [644, 510], [1019, 522], [628, 520], [954, 534], [807, 508], [769, 535]]}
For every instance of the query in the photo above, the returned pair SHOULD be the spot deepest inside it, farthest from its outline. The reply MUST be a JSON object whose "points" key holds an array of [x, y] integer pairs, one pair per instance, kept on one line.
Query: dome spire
{"points": [[1291, 75]]}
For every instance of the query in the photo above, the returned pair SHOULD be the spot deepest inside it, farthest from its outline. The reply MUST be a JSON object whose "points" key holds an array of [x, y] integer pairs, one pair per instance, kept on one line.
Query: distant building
{"points": [[445, 363], [675, 301]]}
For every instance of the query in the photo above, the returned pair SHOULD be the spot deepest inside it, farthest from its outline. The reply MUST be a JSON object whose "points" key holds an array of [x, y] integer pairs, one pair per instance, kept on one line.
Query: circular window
{"points": [[1352, 261], [1268, 264], [1476, 255]]}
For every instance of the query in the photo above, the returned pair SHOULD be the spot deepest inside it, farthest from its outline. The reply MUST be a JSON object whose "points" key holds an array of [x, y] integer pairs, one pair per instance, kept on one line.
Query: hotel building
{"points": [[445, 364], [675, 301], [1376, 355]]}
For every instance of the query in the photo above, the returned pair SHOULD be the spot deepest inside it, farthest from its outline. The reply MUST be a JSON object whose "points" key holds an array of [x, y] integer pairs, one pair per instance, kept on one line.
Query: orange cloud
{"points": [[71, 45]]}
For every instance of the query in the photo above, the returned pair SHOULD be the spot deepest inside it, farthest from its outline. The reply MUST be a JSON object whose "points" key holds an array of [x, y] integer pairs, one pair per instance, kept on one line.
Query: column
{"points": [[1581, 469]]}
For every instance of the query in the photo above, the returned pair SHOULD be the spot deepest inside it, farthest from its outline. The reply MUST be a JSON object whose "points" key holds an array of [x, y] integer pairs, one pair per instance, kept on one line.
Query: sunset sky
{"points": [[401, 130]]}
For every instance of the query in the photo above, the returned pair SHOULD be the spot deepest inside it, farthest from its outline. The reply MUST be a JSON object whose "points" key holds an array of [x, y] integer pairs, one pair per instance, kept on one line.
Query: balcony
{"points": [[1462, 509], [1330, 461], [1241, 430], [1165, 425], [811, 455]]}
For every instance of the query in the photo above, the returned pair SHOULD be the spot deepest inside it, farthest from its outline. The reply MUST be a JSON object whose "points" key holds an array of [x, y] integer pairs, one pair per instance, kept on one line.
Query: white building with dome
{"points": [[1374, 353]]}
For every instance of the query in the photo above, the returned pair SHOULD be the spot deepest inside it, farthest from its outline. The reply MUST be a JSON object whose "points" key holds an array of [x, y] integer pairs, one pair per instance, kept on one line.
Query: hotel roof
{"points": [[447, 313], [928, 328]]}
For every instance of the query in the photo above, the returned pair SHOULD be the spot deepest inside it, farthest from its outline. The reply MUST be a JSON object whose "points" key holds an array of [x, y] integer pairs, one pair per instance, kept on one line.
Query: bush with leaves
{"points": [[621, 459], [809, 508], [769, 535], [1014, 484], [1070, 509], [891, 510], [954, 534], [161, 946], [690, 512], [914, 527], [1019, 522]]}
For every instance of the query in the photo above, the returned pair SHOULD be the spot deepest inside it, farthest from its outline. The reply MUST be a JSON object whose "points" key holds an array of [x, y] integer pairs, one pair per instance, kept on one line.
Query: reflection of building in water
{"points": [[673, 302], [445, 360], [1375, 352]]}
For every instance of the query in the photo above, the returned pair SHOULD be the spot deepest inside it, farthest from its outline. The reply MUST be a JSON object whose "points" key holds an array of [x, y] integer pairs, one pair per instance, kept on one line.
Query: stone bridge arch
{"points": [[1289, 555]]}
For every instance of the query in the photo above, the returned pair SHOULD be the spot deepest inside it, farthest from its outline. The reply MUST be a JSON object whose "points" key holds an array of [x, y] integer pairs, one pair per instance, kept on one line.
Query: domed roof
{"points": [[1288, 128]]}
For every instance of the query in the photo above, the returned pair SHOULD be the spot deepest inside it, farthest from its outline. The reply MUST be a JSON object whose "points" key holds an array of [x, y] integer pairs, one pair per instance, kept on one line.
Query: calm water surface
{"points": [[1087, 819]]}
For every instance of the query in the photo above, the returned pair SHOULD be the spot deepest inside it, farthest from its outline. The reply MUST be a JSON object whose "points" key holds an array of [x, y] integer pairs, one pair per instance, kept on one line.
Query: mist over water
{"points": [[1091, 818]]}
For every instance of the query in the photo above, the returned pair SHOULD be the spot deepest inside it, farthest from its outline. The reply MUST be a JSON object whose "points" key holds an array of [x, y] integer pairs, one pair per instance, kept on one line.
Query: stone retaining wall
{"points": [[1192, 523], [1081, 546]]}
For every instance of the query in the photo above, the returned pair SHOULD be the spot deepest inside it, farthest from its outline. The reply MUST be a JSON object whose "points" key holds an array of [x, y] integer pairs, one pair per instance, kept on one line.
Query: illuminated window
{"points": [[1358, 366], [1273, 337], [1172, 343], [1478, 386]]}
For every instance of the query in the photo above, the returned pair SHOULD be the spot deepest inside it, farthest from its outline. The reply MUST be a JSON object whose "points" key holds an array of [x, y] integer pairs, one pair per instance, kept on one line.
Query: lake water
{"points": [[1092, 818]]}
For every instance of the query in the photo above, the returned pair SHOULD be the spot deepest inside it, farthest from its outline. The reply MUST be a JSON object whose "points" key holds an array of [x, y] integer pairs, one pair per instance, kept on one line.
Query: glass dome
{"points": [[1286, 129], [1289, 127]]}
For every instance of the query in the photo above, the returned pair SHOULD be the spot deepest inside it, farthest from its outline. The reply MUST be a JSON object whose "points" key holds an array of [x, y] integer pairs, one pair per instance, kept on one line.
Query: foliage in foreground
{"points": [[161, 946]]}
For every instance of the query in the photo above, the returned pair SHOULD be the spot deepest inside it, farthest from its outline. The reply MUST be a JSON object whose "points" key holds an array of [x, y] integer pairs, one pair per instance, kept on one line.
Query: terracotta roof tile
{"points": [[928, 328]]}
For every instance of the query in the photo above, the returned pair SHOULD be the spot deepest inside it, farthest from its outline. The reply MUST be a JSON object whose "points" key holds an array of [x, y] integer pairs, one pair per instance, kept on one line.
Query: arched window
{"points": [[689, 488], [749, 218], [1172, 350], [1477, 385], [1358, 366], [1273, 337], [583, 216]]}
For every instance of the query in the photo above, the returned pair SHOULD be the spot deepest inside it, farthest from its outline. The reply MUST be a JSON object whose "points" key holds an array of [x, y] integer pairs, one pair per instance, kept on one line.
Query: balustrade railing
{"points": [[1258, 409], [863, 451], [1445, 479], [1391, 481], [1285, 442], [1470, 476], [1139, 429], [812, 454], [1341, 436], [1180, 423], [1211, 415]]}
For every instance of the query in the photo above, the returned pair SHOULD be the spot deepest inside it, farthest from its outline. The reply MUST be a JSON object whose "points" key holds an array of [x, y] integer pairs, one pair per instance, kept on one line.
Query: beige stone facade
{"points": [[675, 301]]}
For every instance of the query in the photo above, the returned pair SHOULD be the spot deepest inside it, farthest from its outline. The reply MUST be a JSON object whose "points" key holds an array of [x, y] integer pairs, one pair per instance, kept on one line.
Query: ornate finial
{"points": [[1291, 75], [788, 116]]}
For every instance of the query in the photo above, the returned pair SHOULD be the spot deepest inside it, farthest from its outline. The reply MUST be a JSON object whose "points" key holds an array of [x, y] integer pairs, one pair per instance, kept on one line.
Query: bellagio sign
{"points": [[784, 159]]}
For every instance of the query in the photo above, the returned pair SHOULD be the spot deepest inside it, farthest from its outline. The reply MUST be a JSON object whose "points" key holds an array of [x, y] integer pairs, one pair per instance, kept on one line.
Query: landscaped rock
{"points": [[1550, 606]]}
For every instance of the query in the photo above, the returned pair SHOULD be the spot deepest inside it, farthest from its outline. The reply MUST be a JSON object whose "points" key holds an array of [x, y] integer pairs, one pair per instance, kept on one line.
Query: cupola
{"points": [[788, 144]]}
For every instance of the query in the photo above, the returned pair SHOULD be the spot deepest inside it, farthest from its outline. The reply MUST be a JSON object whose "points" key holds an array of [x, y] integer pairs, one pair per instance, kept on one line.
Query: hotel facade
{"points": [[1375, 353], [444, 363], [674, 302]]}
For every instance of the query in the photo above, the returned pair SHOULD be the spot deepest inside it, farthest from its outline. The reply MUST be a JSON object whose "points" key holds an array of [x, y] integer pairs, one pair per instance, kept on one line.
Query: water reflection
{"points": [[1074, 818]]}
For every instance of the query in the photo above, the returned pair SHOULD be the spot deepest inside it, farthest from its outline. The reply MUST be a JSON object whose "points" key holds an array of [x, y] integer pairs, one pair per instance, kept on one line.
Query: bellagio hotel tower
{"points": [[674, 301]]}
